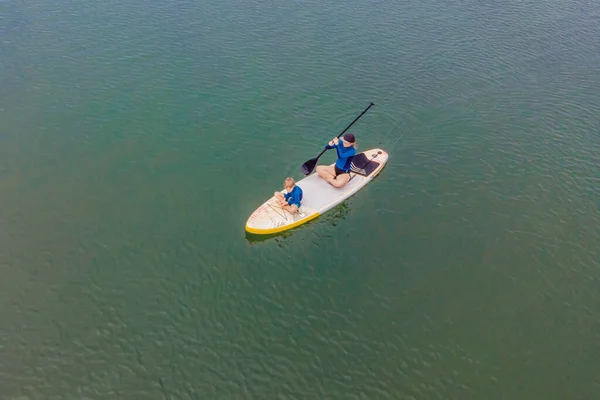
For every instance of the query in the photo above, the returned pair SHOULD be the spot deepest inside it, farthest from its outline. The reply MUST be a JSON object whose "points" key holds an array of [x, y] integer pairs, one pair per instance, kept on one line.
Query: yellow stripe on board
{"points": [[280, 228]]}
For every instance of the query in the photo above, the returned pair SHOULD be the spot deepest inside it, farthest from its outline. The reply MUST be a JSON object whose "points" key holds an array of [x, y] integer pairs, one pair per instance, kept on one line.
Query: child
{"points": [[290, 200]]}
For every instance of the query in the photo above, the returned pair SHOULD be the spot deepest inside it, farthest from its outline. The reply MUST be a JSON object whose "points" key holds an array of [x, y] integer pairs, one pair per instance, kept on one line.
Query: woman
{"points": [[339, 174]]}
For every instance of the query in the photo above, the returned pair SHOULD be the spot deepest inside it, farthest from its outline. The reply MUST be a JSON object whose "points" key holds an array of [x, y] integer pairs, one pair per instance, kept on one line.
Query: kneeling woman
{"points": [[339, 174]]}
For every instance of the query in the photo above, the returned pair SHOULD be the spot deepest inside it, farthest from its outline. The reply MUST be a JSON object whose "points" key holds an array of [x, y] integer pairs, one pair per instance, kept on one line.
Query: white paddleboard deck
{"points": [[318, 197]]}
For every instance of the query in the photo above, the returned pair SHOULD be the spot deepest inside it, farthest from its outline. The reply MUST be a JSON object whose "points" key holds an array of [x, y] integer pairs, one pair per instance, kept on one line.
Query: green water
{"points": [[137, 137]]}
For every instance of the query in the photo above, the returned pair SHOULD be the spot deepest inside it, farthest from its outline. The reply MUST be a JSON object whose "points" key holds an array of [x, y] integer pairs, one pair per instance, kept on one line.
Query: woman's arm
{"points": [[332, 143]]}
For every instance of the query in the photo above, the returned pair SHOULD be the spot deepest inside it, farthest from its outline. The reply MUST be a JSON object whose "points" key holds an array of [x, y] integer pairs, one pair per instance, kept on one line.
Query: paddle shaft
{"points": [[348, 127]]}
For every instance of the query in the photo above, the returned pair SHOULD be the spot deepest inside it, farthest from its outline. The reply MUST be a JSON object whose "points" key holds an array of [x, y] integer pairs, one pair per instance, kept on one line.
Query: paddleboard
{"points": [[318, 196]]}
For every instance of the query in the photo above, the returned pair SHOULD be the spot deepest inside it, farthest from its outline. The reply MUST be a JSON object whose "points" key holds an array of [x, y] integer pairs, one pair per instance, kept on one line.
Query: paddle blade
{"points": [[309, 166]]}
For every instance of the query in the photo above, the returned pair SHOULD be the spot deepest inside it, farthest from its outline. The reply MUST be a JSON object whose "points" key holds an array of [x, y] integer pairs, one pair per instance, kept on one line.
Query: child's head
{"points": [[289, 183]]}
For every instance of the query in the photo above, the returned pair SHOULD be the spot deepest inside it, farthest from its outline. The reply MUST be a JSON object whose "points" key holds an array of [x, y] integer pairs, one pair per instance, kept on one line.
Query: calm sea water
{"points": [[137, 137]]}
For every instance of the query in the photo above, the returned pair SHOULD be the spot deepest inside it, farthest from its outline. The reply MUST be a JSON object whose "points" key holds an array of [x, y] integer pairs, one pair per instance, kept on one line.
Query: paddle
{"points": [[309, 166]]}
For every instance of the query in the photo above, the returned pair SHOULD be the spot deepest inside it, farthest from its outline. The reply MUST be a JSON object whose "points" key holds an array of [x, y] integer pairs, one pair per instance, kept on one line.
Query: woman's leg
{"points": [[340, 180], [326, 171]]}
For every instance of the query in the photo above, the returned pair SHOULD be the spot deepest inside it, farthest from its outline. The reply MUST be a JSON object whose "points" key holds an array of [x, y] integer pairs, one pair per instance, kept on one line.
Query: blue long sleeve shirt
{"points": [[294, 197], [345, 155]]}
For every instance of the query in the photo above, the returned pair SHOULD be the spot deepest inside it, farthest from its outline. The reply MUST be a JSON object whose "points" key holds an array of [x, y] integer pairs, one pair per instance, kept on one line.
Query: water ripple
{"points": [[129, 130]]}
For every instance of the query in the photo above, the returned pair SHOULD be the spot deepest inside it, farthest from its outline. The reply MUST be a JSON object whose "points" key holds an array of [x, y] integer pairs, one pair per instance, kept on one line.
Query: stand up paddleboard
{"points": [[318, 196]]}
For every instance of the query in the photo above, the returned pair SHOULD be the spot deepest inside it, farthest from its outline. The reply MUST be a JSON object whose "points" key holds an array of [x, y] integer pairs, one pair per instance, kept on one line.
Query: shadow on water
{"points": [[330, 218]]}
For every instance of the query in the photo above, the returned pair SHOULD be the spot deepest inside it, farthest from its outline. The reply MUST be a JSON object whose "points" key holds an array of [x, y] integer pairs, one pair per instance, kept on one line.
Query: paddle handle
{"points": [[356, 119], [348, 127]]}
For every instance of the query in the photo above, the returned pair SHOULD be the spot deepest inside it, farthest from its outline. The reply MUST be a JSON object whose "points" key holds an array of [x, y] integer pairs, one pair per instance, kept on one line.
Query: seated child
{"points": [[290, 200]]}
